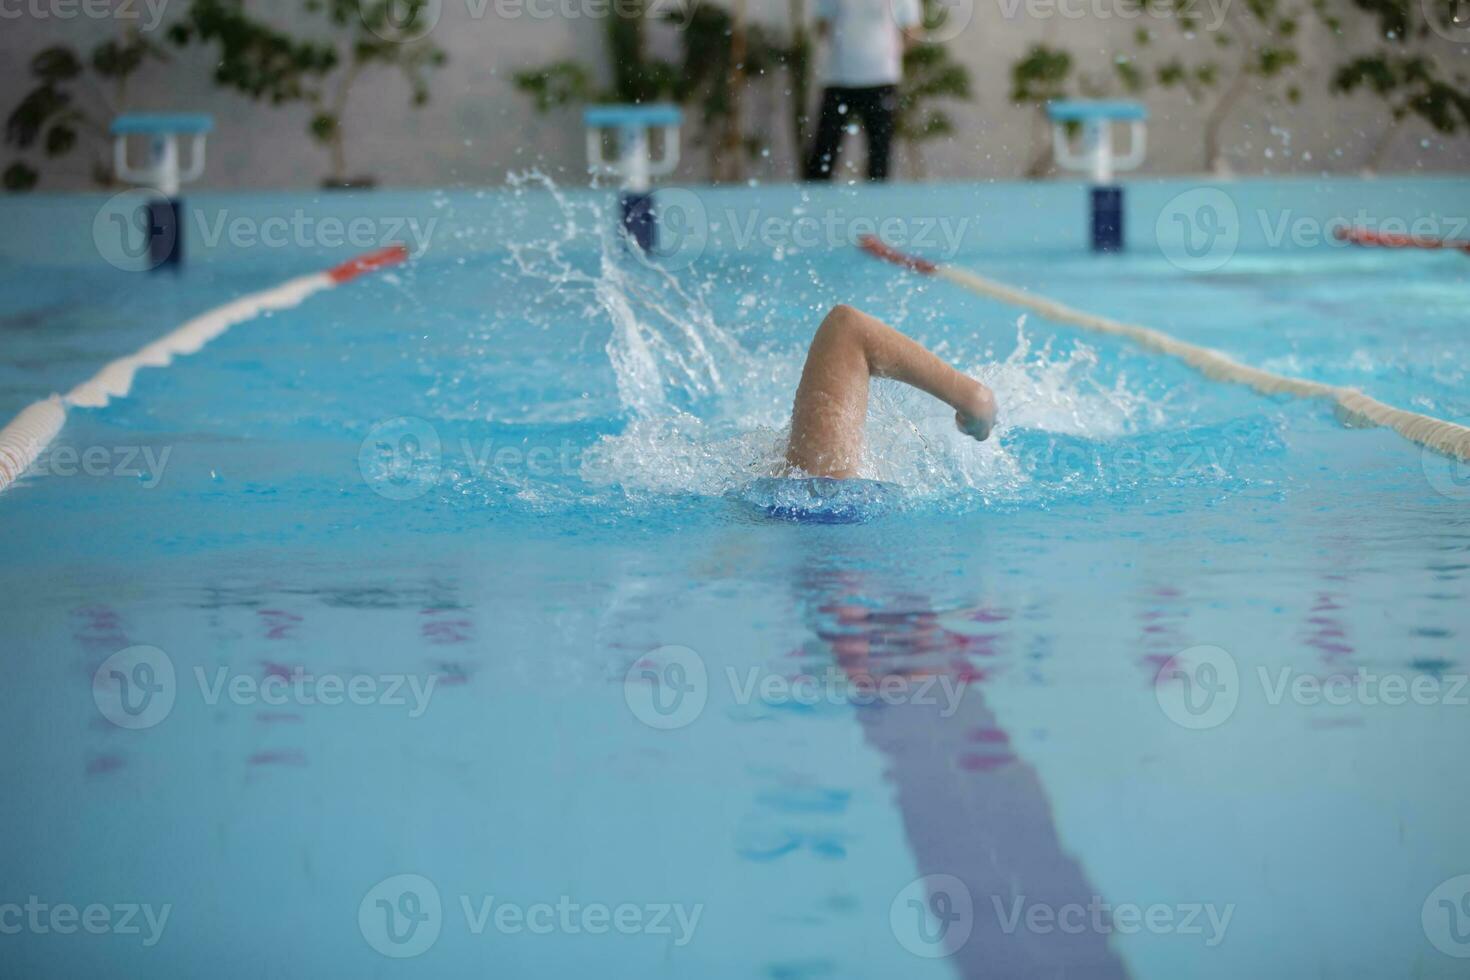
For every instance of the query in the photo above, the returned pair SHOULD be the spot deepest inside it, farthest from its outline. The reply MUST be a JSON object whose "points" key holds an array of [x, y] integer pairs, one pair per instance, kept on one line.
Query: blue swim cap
{"points": [[819, 500]]}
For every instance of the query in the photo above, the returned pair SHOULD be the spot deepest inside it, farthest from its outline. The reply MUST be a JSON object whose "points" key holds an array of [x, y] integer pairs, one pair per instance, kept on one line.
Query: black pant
{"points": [[876, 106]]}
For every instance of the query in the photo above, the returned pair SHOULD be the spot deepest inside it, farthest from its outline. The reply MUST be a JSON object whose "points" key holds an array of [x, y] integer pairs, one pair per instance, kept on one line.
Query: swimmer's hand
{"points": [[975, 416]]}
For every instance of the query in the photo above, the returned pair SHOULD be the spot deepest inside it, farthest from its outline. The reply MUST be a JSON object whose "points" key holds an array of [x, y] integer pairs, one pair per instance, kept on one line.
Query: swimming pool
{"points": [[468, 651]]}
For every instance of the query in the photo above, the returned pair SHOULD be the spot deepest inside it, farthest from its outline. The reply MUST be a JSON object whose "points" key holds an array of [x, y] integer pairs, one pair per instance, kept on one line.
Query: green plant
{"points": [[929, 73], [71, 102], [719, 56], [266, 63], [797, 60], [1039, 77], [1404, 72], [1253, 47], [555, 85]]}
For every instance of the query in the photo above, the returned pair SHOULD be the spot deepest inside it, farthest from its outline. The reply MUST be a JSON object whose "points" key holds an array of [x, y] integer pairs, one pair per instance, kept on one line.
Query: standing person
{"points": [[866, 40]]}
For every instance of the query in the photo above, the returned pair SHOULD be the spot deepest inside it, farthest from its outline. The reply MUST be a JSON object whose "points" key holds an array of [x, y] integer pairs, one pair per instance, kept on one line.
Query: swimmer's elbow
{"points": [[842, 321]]}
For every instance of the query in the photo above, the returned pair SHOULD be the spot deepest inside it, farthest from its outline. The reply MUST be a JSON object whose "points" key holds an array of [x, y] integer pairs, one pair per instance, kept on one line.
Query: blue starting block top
{"points": [[625, 116], [158, 123], [1083, 111]]}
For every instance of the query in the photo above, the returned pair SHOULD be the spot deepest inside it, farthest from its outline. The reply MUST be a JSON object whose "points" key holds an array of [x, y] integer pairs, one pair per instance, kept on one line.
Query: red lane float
{"points": [[371, 262], [1383, 239], [880, 249]]}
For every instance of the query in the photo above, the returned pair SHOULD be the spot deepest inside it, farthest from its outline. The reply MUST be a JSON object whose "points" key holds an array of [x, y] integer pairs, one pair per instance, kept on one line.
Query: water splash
{"points": [[705, 410], [666, 350]]}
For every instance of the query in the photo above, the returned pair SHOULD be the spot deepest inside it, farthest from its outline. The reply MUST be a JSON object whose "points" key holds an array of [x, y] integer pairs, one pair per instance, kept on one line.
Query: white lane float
{"points": [[1444, 437], [30, 432]]}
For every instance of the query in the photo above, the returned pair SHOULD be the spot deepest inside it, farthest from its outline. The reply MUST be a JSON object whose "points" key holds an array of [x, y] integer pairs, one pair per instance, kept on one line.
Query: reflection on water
{"points": [[976, 816]]}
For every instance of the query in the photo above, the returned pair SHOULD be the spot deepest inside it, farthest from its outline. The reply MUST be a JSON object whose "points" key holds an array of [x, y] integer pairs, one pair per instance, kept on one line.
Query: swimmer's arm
{"points": [[893, 355], [832, 399]]}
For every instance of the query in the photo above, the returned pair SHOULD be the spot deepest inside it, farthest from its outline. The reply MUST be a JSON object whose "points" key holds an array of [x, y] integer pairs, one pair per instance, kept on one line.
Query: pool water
{"points": [[448, 624]]}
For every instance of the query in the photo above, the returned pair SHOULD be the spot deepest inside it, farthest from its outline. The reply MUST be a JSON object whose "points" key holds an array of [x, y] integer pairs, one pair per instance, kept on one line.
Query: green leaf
{"points": [[553, 86], [20, 177], [56, 64], [323, 126], [39, 107], [60, 138], [1132, 79], [1041, 75]]}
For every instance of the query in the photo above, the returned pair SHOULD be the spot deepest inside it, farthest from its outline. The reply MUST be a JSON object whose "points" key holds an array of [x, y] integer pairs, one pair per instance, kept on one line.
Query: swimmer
{"points": [[831, 405]]}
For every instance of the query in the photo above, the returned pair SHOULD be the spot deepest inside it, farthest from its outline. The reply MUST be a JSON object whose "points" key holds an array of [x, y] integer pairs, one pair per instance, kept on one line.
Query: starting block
{"points": [[162, 173], [1097, 159], [632, 164]]}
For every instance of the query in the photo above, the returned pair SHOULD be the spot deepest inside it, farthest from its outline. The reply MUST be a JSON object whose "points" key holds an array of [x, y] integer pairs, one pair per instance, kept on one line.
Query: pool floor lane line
{"points": [[30, 432], [1425, 430], [973, 809]]}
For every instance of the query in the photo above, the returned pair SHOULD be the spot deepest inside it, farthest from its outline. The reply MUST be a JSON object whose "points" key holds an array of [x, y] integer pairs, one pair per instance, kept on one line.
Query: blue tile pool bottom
{"points": [[619, 691]]}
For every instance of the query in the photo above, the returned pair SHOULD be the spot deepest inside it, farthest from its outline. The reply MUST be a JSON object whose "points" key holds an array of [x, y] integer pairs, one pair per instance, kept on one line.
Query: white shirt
{"points": [[865, 46]]}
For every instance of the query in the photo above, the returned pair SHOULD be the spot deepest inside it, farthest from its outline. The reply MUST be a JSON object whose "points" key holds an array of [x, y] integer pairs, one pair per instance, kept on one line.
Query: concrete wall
{"points": [[477, 128]]}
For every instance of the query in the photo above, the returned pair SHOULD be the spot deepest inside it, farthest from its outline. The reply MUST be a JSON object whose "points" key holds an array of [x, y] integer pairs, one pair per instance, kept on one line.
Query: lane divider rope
{"points": [[1445, 437], [30, 432]]}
